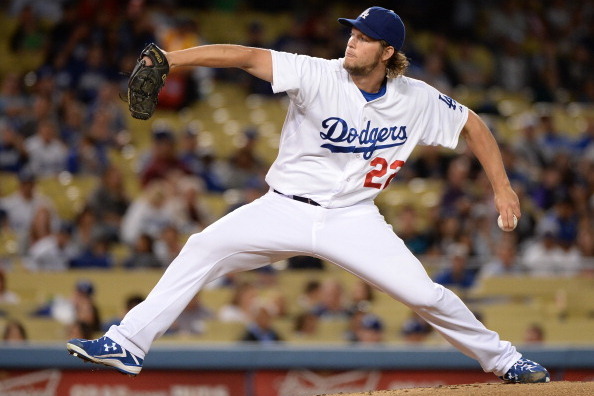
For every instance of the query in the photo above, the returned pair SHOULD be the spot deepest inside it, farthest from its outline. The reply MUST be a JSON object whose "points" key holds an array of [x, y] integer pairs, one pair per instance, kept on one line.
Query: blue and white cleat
{"points": [[107, 352], [526, 371]]}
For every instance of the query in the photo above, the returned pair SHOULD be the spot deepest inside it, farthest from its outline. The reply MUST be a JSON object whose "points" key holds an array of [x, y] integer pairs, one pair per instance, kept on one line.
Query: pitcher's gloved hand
{"points": [[146, 82]]}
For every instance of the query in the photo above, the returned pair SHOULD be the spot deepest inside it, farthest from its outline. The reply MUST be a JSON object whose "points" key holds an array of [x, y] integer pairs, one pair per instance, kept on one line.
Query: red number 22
{"points": [[381, 172]]}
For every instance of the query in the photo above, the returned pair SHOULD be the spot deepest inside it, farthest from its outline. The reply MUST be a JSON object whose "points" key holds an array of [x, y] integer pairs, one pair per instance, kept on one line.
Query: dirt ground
{"points": [[559, 388]]}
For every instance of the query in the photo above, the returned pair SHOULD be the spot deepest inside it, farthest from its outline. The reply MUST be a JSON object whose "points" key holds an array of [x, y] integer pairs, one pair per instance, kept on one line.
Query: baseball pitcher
{"points": [[350, 127]]}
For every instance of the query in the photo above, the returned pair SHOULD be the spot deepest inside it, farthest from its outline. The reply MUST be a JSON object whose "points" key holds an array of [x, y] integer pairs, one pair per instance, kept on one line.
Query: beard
{"points": [[360, 70]]}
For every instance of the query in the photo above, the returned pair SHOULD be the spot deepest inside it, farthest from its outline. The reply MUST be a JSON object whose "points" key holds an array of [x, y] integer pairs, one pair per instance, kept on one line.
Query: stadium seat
{"points": [[44, 329]]}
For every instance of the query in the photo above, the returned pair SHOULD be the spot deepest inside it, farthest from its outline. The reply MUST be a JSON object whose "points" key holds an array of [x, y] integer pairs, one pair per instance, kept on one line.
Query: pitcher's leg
{"points": [[250, 237], [183, 279], [373, 252]]}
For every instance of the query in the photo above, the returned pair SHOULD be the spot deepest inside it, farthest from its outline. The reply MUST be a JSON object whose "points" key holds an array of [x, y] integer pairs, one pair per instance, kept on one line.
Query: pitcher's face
{"points": [[363, 54]]}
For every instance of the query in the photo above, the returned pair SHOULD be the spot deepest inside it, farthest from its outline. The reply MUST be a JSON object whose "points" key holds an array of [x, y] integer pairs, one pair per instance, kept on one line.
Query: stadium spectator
{"points": [[448, 232], [362, 296], [135, 29], [106, 105], [168, 245], [68, 310], [253, 189], [473, 65], [277, 302], [53, 252], [456, 194], [142, 255], [191, 210], [7, 296], [518, 173], [46, 152], [562, 220], [245, 164], [485, 235], [163, 158], [149, 212], [190, 152], [526, 146], [332, 304], [14, 333], [534, 334], [41, 226], [21, 206], [505, 20], [546, 65], [305, 325], [13, 155], [505, 262], [28, 35], [96, 255], [102, 131], [87, 312], [13, 100], [551, 140], [79, 329], [72, 121], [409, 229], [512, 65], [186, 84], [430, 163], [109, 201], [260, 327], [41, 111], [585, 238], [434, 72], [585, 140], [577, 71], [86, 228], [239, 308], [548, 189], [457, 273], [86, 157], [191, 320], [292, 39], [415, 329], [310, 295], [544, 257], [213, 173], [370, 329]]}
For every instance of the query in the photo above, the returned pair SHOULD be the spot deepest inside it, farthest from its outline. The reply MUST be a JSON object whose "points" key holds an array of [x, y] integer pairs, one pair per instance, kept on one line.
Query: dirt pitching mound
{"points": [[551, 389]]}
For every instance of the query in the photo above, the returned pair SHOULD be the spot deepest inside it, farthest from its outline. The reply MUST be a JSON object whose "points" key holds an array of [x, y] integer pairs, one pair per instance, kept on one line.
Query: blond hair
{"points": [[397, 64]]}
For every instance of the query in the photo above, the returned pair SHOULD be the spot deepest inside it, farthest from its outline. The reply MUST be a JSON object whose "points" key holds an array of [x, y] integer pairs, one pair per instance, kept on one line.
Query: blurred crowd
{"points": [[66, 116]]}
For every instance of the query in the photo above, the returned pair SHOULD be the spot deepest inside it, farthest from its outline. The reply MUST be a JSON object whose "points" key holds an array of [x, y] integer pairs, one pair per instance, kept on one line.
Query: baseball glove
{"points": [[146, 82]]}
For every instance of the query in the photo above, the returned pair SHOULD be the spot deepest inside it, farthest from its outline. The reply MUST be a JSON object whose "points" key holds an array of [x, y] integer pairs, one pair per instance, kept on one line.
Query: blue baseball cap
{"points": [[379, 24]]}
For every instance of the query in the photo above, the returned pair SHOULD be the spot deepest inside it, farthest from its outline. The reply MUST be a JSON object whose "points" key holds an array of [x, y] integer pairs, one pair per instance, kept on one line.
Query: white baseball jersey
{"points": [[337, 148]]}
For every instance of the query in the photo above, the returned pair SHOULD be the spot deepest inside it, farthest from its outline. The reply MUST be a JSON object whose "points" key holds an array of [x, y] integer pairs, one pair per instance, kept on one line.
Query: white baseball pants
{"points": [[275, 227]]}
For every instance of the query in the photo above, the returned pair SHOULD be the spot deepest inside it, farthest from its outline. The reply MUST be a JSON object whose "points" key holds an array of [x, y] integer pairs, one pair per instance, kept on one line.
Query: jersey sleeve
{"points": [[445, 119], [297, 75]]}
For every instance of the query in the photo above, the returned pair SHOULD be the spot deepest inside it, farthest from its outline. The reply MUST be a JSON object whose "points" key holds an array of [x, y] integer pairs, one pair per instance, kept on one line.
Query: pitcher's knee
{"points": [[200, 245], [425, 298], [199, 252]]}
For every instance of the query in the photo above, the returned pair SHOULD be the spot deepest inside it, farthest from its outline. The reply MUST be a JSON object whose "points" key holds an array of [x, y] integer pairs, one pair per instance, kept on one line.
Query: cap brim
{"points": [[359, 25]]}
